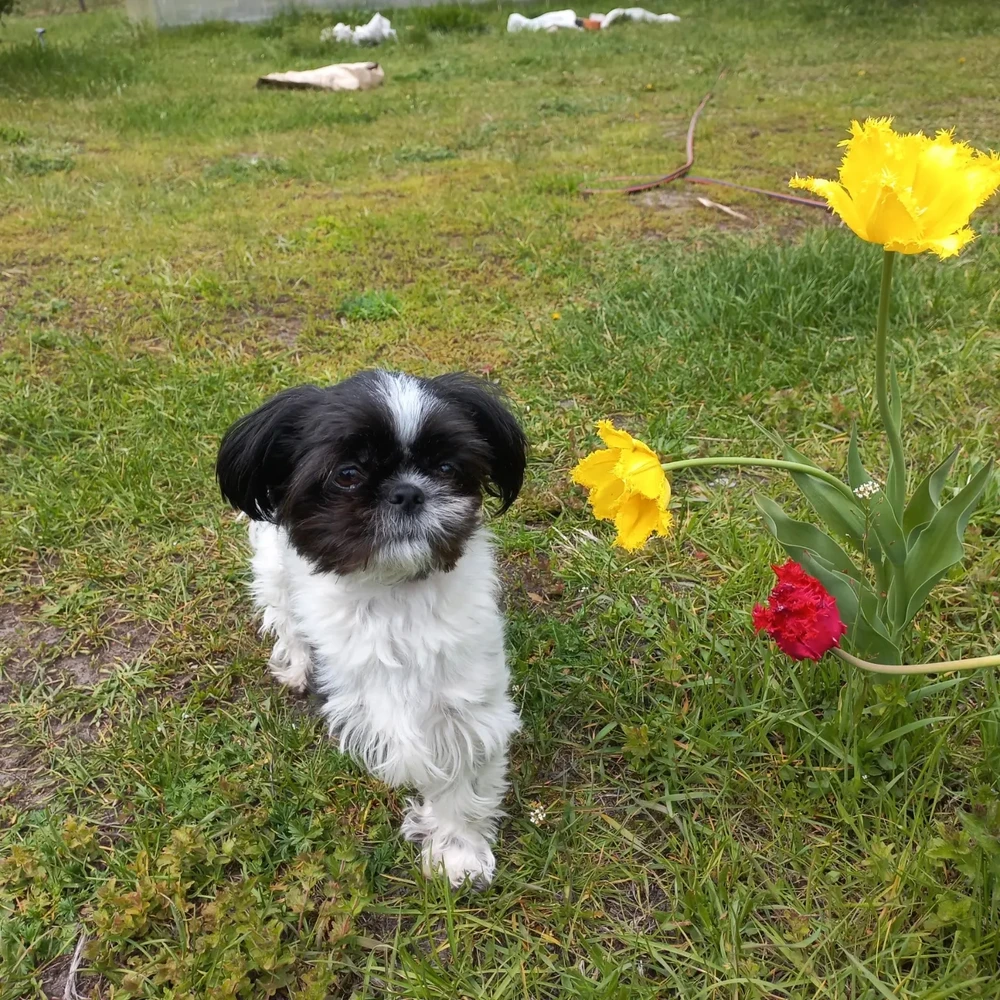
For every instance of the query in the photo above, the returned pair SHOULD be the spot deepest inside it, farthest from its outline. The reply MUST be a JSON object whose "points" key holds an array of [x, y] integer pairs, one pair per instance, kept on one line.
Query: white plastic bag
{"points": [[376, 31], [556, 19], [633, 14], [552, 21]]}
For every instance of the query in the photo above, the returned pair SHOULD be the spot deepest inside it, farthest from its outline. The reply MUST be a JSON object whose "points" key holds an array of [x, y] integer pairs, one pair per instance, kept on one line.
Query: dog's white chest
{"points": [[412, 675], [405, 648]]}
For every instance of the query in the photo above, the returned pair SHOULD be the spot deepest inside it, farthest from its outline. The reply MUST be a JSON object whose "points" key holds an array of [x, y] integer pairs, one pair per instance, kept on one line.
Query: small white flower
{"points": [[867, 490], [537, 816]]}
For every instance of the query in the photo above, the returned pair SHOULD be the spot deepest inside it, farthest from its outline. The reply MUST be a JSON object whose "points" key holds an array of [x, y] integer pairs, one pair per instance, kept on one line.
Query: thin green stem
{"points": [[944, 666], [896, 485], [764, 463]]}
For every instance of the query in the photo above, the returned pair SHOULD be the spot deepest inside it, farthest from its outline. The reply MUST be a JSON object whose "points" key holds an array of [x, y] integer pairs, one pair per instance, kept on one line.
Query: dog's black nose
{"points": [[407, 496]]}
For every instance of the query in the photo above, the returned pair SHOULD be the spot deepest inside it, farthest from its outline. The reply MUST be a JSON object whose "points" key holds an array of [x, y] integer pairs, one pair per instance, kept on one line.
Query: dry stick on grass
{"points": [[708, 203], [683, 171], [674, 174], [69, 991]]}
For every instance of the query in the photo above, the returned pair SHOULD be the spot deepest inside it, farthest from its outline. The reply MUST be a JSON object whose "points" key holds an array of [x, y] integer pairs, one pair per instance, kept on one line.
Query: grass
{"points": [[371, 306], [718, 824]]}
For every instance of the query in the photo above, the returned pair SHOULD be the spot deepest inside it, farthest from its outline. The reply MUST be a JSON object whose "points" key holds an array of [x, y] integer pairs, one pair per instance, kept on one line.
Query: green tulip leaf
{"points": [[843, 516], [800, 537], [926, 500], [938, 548], [887, 528], [895, 480], [856, 474]]}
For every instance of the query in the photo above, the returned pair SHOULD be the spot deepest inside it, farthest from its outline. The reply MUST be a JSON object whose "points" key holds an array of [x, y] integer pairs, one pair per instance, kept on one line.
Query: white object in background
{"points": [[708, 203], [340, 76], [340, 32], [377, 30], [633, 14], [552, 21]]}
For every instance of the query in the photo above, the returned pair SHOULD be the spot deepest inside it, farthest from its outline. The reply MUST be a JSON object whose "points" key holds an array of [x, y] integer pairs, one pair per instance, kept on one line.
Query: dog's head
{"points": [[382, 472]]}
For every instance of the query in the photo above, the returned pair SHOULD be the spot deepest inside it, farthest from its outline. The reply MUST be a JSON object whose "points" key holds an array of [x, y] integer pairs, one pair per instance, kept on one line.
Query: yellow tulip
{"points": [[910, 193], [627, 485]]}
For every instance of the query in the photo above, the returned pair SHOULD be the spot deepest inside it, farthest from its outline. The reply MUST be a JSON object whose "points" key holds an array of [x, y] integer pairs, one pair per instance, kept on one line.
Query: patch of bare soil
{"points": [[24, 778], [278, 324], [33, 654], [528, 580], [667, 200], [48, 653], [57, 984]]}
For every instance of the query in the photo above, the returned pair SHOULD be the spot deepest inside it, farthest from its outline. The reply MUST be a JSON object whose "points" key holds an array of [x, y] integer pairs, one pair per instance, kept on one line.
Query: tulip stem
{"points": [[944, 666], [896, 483], [765, 463]]}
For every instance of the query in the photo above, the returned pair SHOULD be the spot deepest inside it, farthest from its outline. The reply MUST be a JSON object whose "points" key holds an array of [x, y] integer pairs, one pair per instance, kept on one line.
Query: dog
{"points": [[374, 571]]}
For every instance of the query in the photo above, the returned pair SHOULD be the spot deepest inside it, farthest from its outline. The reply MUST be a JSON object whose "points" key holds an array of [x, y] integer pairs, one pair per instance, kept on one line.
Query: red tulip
{"points": [[801, 615]]}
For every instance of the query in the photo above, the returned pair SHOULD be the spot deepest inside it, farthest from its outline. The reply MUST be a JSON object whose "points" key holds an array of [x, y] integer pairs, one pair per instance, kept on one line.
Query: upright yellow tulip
{"points": [[910, 193]]}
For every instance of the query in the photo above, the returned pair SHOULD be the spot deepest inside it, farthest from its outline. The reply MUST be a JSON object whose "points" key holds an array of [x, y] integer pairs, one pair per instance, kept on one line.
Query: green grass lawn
{"points": [[719, 822]]}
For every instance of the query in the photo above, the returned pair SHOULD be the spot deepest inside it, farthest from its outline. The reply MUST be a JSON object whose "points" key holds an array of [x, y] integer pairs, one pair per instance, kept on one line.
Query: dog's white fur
{"points": [[414, 681]]}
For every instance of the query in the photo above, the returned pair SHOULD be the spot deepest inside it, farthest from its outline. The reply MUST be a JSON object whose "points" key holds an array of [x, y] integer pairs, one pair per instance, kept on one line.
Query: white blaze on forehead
{"points": [[408, 402]]}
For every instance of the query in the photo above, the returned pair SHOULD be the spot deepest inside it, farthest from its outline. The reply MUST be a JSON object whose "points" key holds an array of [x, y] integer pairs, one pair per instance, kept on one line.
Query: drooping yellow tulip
{"points": [[627, 485], [910, 193]]}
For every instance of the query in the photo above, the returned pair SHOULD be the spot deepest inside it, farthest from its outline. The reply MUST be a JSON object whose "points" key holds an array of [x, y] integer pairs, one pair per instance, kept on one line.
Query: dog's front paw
{"points": [[289, 666], [459, 859]]}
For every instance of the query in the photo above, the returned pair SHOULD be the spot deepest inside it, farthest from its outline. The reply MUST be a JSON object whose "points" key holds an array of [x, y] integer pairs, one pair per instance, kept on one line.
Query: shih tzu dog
{"points": [[374, 572]]}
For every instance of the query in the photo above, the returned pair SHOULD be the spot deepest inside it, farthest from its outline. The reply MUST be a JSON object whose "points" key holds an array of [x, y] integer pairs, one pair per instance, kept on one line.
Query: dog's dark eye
{"points": [[347, 476], [446, 469]]}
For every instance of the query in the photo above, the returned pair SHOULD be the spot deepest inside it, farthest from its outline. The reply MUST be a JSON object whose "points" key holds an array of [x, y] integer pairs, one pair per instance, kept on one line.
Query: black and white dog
{"points": [[374, 572]]}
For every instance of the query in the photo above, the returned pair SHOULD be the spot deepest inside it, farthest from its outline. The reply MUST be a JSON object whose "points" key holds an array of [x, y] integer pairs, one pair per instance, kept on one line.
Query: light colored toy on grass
{"points": [[339, 76]]}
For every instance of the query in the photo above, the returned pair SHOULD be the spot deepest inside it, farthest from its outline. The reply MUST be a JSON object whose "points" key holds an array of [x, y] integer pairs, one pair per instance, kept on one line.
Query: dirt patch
{"points": [[670, 201], [20, 642], [123, 641], [38, 573], [528, 580], [23, 782], [83, 729], [634, 905], [30, 650], [559, 772], [264, 324], [33, 654], [286, 330], [382, 927], [55, 978]]}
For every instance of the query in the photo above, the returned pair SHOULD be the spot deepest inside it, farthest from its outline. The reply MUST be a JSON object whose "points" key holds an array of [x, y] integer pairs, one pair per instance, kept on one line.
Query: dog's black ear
{"points": [[258, 453], [484, 404]]}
